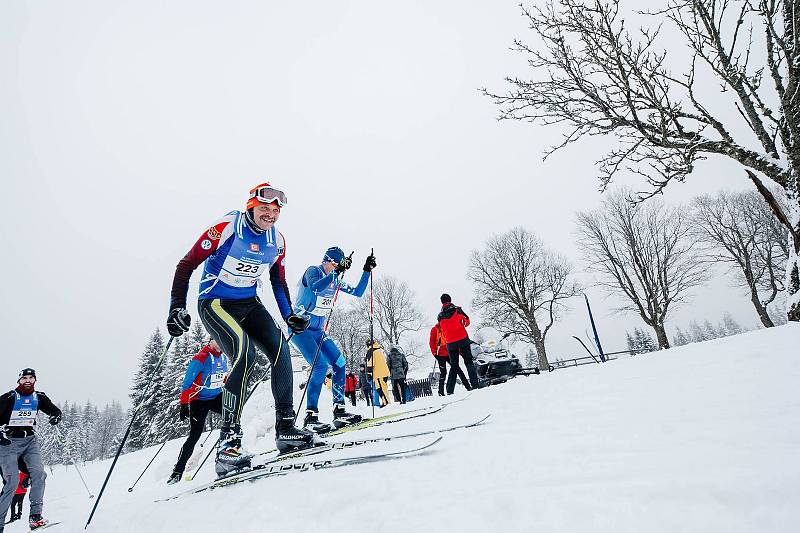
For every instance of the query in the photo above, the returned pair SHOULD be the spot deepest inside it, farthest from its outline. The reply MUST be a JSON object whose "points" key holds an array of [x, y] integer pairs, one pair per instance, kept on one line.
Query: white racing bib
{"points": [[239, 273], [25, 410], [217, 380], [324, 305]]}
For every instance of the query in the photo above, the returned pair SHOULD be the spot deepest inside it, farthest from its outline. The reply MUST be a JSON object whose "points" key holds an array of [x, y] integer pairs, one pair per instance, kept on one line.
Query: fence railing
{"points": [[420, 387], [587, 360]]}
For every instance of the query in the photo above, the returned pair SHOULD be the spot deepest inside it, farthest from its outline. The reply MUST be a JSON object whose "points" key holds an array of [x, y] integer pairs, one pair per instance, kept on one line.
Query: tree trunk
{"points": [[792, 269], [538, 342], [791, 221], [661, 336], [760, 308]]}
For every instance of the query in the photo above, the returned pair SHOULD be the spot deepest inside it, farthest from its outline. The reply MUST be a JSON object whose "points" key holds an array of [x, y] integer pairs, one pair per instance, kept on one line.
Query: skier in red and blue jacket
{"points": [[235, 251], [201, 392]]}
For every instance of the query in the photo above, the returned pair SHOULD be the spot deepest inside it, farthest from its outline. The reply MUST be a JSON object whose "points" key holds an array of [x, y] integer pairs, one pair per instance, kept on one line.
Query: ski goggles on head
{"points": [[268, 195]]}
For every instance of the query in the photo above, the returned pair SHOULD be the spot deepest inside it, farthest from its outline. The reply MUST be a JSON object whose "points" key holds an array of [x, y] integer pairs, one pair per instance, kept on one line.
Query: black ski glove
{"points": [[370, 263], [346, 263], [185, 411], [4, 441], [178, 321], [55, 419], [26, 483], [298, 323]]}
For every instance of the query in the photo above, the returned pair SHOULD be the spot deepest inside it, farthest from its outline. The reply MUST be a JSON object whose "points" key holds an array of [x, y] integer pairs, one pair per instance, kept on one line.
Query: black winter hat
{"points": [[445, 298], [26, 372]]}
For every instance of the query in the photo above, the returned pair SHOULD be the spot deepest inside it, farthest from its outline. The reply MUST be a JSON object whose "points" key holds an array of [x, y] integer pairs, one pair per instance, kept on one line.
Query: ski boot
{"points": [[35, 521], [342, 418], [230, 458], [175, 477], [312, 423], [288, 437]]}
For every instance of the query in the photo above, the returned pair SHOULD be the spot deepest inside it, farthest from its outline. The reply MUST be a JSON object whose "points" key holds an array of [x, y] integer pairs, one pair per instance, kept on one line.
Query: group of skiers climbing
{"points": [[19, 448], [235, 250]]}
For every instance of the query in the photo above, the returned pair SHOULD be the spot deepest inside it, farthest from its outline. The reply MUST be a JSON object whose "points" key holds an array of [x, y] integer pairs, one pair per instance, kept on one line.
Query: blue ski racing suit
{"points": [[315, 296]]}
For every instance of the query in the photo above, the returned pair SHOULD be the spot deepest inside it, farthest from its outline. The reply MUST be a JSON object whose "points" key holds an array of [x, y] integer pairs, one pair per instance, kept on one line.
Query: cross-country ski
{"points": [[271, 469]]}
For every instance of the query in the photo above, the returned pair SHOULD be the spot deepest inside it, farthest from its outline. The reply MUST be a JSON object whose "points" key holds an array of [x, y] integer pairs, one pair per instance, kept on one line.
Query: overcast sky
{"points": [[128, 127]]}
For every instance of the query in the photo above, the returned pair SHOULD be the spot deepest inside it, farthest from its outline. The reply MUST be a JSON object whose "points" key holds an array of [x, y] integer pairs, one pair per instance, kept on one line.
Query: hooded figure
{"points": [[398, 365], [376, 365]]}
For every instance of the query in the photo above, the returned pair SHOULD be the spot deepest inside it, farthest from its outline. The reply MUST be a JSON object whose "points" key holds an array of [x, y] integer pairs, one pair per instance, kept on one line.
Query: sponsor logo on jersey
{"points": [[206, 244], [254, 247], [213, 234]]}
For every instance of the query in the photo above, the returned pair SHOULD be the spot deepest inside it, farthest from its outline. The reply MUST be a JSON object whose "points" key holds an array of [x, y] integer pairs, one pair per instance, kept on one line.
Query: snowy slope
{"points": [[699, 438]]}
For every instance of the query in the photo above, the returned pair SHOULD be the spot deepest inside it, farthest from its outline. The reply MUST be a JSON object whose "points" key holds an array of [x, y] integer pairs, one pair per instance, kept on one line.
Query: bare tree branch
{"points": [[643, 252], [521, 286], [740, 230]]}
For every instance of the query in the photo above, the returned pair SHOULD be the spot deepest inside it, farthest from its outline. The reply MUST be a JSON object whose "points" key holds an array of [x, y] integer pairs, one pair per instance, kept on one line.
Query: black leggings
{"points": [[399, 390], [462, 348], [239, 326], [199, 411], [442, 361], [367, 392], [352, 396], [16, 504]]}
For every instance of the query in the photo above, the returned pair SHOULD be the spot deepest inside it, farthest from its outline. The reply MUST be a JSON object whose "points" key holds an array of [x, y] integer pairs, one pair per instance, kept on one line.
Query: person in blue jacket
{"points": [[201, 392], [316, 293]]}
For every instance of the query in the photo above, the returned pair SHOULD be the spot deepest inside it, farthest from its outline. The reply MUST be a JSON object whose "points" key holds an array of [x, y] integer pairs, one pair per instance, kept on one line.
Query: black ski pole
{"points": [[203, 444], [127, 431], [130, 489], [372, 335]]}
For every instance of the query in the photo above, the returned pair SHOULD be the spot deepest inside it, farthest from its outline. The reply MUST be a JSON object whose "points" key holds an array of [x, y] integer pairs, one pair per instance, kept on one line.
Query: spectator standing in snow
{"points": [[439, 350], [364, 380], [350, 384], [379, 370], [454, 322], [398, 366]]}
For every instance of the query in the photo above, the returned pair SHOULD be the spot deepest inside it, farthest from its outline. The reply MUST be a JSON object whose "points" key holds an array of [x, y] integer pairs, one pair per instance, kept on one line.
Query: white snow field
{"points": [[700, 438]]}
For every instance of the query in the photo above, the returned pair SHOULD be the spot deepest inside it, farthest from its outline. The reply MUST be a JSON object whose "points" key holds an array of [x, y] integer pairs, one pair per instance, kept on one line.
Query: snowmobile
{"points": [[495, 364]]}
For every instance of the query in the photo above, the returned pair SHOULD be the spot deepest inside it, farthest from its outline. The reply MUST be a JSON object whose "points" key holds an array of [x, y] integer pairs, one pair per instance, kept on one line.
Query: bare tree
{"points": [[645, 252], [521, 286], [739, 230], [396, 309], [598, 78], [350, 329]]}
